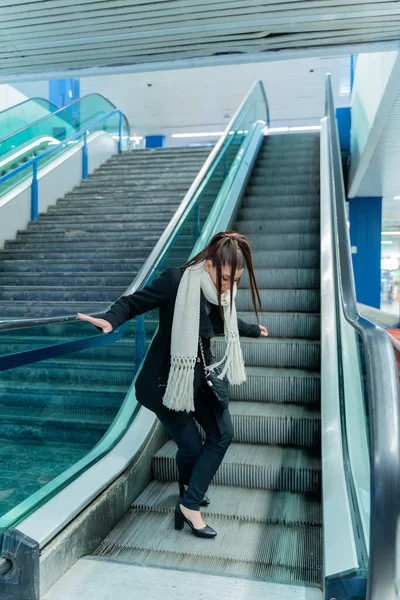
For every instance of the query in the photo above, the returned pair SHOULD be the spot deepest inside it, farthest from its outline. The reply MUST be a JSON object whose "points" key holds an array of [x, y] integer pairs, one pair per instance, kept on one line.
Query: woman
{"points": [[195, 301]]}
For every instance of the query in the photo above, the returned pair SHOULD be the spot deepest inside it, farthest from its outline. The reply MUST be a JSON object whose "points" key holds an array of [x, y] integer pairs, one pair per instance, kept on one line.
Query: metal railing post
{"points": [[140, 342], [196, 223], [34, 193], [85, 162], [120, 132]]}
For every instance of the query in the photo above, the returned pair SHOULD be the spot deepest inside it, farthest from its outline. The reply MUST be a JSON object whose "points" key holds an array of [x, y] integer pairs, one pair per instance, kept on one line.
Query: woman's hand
{"points": [[263, 330], [102, 324]]}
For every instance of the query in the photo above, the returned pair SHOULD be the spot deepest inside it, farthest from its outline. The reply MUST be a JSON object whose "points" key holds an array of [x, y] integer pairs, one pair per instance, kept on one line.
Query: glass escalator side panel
{"points": [[54, 130], [19, 116]]}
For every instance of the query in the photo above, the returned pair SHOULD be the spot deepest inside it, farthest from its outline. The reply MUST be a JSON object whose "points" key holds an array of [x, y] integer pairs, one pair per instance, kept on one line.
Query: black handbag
{"points": [[219, 387]]}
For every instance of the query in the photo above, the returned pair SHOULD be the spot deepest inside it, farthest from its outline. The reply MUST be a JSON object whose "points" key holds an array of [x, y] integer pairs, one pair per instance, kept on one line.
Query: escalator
{"points": [[54, 134], [307, 496], [269, 485], [17, 117]]}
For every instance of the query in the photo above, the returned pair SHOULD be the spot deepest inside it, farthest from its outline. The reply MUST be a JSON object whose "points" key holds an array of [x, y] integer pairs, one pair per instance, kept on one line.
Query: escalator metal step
{"points": [[281, 551], [255, 467], [254, 506]]}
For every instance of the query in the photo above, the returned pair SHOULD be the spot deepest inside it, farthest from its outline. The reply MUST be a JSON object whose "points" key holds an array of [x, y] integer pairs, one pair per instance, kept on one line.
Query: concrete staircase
{"points": [[85, 251], [79, 256], [265, 498]]}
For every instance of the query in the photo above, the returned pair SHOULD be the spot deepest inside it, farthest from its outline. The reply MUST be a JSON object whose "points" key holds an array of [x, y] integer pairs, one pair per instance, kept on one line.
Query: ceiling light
{"points": [[390, 232], [386, 242], [205, 134], [297, 128], [306, 128], [396, 198]]}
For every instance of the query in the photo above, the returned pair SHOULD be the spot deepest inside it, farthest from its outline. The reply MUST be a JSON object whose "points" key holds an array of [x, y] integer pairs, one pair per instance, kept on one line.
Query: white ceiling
{"points": [[204, 99], [52, 36]]}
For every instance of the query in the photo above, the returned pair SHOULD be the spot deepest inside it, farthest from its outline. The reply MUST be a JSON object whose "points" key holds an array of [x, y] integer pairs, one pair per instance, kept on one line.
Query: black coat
{"points": [[161, 294]]}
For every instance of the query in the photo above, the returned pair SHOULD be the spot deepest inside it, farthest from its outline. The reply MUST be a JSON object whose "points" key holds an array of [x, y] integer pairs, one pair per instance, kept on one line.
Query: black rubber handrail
{"points": [[382, 395]]}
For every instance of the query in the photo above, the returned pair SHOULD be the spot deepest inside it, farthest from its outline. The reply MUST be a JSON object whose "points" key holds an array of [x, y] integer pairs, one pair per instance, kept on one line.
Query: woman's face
{"points": [[225, 275]]}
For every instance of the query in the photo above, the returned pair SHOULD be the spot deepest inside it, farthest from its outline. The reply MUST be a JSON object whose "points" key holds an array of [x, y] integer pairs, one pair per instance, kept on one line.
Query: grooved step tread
{"points": [[257, 455], [254, 466], [47, 387], [295, 550], [282, 372], [257, 506], [266, 410], [271, 341], [76, 416]]}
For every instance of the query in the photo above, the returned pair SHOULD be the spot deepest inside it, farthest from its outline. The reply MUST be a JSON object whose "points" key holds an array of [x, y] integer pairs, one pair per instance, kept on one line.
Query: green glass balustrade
{"points": [[54, 129], [19, 116]]}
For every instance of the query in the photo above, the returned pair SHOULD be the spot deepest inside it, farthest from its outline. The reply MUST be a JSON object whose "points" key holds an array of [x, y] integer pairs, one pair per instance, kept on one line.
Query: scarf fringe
{"points": [[233, 358], [179, 391]]}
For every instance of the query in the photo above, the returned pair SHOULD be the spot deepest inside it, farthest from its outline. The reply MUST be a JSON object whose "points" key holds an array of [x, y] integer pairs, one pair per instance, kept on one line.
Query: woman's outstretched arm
{"points": [[152, 296]]}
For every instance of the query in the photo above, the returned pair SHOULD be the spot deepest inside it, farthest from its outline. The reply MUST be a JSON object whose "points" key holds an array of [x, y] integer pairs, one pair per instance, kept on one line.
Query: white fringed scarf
{"points": [[185, 338]]}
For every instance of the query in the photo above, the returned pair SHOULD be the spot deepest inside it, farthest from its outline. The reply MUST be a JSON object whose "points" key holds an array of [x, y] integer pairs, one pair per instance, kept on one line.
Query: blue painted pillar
{"points": [[365, 216], [63, 91], [154, 141]]}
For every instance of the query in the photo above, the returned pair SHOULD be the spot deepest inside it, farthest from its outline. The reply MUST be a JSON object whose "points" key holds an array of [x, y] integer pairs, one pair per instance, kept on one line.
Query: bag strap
{"points": [[202, 356]]}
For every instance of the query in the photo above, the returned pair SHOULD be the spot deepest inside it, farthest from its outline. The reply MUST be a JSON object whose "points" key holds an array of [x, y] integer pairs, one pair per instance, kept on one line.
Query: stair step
{"points": [[130, 542], [261, 211], [19, 264], [90, 279], [78, 424], [147, 242], [279, 385], [75, 371], [306, 227], [281, 300], [274, 178], [254, 467], [278, 241], [292, 161], [76, 217], [281, 199], [123, 350], [276, 424], [252, 506], [87, 233], [287, 325], [286, 259], [285, 169], [69, 212], [71, 397], [283, 279], [275, 352]]}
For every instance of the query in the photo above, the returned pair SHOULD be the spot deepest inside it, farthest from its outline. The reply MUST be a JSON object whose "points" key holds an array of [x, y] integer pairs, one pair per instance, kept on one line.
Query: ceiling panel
{"points": [[49, 36]]}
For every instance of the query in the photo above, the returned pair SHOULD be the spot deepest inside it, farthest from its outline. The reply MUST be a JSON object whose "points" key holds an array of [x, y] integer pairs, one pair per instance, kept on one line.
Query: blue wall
{"points": [[155, 141], [365, 217], [343, 116], [63, 91]]}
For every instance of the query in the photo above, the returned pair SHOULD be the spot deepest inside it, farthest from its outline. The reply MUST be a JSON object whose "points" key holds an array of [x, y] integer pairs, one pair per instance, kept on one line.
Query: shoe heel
{"points": [[179, 520]]}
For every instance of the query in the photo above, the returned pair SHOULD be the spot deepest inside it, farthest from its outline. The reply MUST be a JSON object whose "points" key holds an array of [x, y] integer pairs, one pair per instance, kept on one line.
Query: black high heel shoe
{"points": [[204, 502], [180, 520]]}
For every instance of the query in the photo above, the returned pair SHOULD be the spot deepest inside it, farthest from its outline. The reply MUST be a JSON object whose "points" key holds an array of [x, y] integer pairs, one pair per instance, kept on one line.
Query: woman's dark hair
{"points": [[232, 249]]}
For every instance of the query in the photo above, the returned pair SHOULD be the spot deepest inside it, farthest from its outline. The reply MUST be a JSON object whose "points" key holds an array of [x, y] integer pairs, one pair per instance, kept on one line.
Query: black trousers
{"points": [[197, 462]]}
